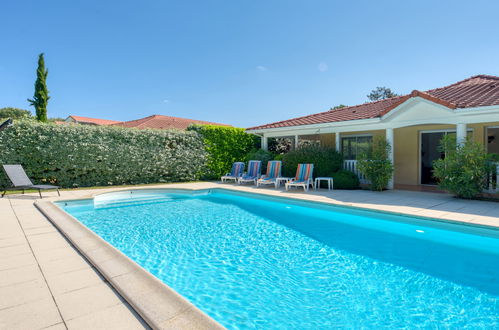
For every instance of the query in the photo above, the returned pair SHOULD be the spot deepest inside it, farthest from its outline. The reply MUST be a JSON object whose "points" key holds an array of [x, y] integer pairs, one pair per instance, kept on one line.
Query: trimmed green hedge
{"points": [[225, 145], [81, 155]]}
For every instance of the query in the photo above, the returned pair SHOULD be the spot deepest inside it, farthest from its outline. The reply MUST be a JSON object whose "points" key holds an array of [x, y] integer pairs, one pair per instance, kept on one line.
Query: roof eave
{"points": [[316, 126], [478, 110]]}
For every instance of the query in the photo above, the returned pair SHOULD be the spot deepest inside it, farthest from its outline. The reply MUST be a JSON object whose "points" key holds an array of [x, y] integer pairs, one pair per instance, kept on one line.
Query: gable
{"points": [[417, 111]]}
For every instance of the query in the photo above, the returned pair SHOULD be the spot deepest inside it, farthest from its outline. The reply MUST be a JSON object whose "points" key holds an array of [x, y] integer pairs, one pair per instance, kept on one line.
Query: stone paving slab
{"points": [[37, 314], [42, 275], [45, 283]]}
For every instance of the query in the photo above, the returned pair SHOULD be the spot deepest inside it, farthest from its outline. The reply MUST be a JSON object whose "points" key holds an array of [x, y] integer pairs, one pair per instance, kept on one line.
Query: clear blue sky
{"points": [[238, 62]]}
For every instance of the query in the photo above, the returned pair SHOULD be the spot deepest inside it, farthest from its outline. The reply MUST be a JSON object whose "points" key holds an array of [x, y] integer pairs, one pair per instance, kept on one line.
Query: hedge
{"points": [[225, 145], [81, 155]]}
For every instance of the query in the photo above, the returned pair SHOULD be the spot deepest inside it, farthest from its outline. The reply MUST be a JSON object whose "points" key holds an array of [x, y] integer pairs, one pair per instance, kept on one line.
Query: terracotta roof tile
{"points": [[94, 121], [481, 90], [165, 122], [476, 91]]}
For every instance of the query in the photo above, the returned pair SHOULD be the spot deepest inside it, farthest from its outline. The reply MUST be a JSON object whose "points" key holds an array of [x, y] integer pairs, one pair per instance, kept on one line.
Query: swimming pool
{"points": [[251, 261]]}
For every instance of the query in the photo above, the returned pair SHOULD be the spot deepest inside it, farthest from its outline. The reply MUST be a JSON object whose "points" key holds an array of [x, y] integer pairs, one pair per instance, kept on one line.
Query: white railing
{"points": [[351, 165], [493, 180]]}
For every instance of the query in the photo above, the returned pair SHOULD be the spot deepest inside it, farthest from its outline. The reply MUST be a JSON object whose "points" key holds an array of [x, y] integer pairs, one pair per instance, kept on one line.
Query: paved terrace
{"points": [[46, 284]]}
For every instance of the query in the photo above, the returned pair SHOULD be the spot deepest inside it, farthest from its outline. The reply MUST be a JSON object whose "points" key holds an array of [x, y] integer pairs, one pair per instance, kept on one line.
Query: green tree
{"points": [[381, 93], [375, 164], [14, 113], [54, 119], [41, 96], [464, 169], [339, 106]]}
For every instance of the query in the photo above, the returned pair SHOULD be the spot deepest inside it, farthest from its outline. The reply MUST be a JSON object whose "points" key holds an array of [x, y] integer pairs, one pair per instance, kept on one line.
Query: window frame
{"points": [[487, 135], [355, 136]]}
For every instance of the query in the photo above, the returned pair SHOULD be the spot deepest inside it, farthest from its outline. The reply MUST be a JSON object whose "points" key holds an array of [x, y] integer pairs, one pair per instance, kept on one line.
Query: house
{"points": [[154, 121], [72, 119], [164, 122], [413, 125]]}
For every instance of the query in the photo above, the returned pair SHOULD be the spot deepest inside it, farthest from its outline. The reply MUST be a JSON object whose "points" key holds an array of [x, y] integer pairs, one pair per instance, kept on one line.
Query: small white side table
{"points": [[317, 182], [278, 181]]}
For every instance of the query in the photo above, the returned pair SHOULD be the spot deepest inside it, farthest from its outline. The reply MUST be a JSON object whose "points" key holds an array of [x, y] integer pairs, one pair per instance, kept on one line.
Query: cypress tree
{"points": [[41, 96]]}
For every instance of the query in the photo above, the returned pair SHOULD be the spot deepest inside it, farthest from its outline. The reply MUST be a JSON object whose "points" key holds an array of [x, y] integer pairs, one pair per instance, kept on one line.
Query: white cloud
{"points": [[166, 101], [261, 68], [323, 67]]}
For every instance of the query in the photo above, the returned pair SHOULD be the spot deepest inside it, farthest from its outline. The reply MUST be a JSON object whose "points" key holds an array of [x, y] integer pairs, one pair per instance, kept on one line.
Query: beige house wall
{"points": [[328, 140]]}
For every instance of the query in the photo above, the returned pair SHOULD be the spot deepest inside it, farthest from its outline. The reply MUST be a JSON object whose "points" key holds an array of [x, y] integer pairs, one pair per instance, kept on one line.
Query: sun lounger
{"points": [[20, 180], [303, 177], [273, 172], [235, 173]]}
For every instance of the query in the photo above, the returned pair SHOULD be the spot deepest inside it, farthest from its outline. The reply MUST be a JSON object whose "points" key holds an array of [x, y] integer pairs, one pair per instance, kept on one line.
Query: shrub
{"points": [[493, 158], [326, 160], [14, 113], [464, 170], [84, 155], [261, 155], [345, 180], [375, 165], [225, 145]]}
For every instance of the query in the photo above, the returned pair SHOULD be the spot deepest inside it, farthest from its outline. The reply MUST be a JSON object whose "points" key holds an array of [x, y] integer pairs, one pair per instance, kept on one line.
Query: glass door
{"points": [[493, 140], [429, 153]]}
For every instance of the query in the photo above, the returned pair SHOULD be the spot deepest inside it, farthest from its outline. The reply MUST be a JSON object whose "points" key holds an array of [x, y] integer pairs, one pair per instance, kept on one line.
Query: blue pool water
{"points": [[252, 262]]}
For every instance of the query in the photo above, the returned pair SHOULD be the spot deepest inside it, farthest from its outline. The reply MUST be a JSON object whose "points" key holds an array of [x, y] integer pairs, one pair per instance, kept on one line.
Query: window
{"points": [[309, 140], [352, 146], [281, 145]]}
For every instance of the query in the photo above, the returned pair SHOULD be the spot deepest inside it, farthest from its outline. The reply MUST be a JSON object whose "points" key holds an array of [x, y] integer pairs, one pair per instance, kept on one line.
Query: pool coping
{"points": [[160, 306]]}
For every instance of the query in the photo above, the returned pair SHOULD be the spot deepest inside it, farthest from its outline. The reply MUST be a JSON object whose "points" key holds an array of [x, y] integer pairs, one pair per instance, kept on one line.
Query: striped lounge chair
{"points": [[253, 174], [303, 177], [273, 172], [235, 173]]}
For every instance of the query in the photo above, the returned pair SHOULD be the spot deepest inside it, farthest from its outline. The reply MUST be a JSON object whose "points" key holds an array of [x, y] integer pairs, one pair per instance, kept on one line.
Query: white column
{"points": [[296, 142], [389, 139], [338, 141], [264, 142], [460, 134]]}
